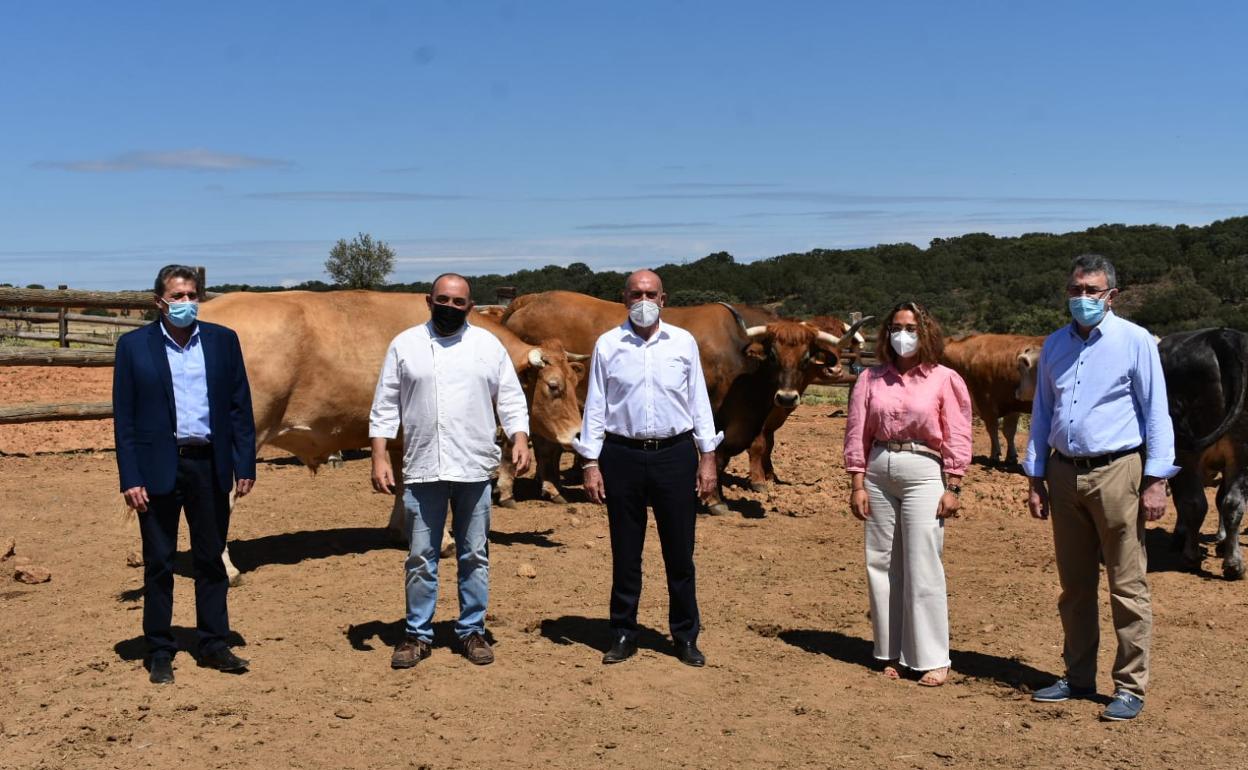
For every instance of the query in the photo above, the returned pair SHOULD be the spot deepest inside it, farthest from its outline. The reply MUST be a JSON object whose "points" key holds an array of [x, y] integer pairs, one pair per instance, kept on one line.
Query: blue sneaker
{"points": [[1124, 706], [1061, 690]]}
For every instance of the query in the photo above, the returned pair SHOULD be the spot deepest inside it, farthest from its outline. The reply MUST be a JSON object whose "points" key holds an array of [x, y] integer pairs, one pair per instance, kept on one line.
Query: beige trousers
{"points": [[1096, 517], [905, 576]]}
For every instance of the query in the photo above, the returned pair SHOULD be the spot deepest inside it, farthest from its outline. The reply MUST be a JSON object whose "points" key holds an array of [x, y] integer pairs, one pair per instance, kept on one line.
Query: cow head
{"points": [[550, 376], [851, 344], [794, 353], [1027, 359]]}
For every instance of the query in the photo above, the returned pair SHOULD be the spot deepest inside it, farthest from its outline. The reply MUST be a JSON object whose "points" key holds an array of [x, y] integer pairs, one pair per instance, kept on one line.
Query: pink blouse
{"points": [[929, 404]]}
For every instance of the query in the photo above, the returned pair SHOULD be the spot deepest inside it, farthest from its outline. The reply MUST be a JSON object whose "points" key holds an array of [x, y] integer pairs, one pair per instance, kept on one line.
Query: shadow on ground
{"points": [[859, 652]]}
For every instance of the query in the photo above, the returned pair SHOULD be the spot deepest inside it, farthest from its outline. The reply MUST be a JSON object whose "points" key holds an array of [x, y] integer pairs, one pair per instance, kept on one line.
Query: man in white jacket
{"points": [[442, 382]]}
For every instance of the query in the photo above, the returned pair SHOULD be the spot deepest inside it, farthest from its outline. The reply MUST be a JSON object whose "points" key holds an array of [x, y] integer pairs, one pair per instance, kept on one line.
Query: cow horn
{"points": [[535, 358], [828, 337], [755, 331], [735, 314], [852, 330], [578, 356]]}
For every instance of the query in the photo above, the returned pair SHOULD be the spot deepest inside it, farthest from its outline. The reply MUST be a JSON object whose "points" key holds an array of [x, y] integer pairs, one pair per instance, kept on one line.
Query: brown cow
{"points": [[748, 369], [313, 359], [762, 472], [999, 370]]}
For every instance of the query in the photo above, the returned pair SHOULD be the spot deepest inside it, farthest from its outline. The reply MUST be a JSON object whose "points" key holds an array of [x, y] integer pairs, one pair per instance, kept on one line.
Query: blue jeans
{"points": [[426, 518]]}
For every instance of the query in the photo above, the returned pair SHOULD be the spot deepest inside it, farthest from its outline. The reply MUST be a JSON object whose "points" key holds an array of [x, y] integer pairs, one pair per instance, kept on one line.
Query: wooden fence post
{"points": [[62, 323], [202, 280]]}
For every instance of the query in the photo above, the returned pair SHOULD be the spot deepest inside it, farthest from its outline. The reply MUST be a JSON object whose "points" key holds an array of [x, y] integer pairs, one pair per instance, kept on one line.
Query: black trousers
{"points": [[208, 516], [664, 479]]}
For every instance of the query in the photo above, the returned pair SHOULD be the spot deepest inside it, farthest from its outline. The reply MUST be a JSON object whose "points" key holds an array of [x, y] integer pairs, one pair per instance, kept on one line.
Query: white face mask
{"points": [[904, 342], [644, 314]]}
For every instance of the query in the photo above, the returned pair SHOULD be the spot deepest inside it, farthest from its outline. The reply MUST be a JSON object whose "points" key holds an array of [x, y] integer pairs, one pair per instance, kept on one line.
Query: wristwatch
{"points": [[956, 489]]}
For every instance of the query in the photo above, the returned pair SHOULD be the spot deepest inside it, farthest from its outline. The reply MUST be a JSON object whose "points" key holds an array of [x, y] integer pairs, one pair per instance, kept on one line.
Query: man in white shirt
{"points": [[442, 382], [648, 438]]}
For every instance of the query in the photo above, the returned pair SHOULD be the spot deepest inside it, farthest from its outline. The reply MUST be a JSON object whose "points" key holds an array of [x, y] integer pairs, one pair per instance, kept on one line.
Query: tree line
{"points": [[1171, 278]]}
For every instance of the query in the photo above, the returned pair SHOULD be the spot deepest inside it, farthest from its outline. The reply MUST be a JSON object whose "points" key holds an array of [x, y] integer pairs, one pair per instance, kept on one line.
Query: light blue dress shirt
{"points": [[1101, 395], [190, 387]]}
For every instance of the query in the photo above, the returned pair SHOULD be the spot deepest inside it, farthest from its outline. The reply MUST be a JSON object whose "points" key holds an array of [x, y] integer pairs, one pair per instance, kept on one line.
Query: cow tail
{"points": [[1231, 349]]}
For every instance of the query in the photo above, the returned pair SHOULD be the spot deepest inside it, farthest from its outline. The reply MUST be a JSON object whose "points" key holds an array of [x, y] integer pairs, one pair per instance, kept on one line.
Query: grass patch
{"points": [[826, 395]]}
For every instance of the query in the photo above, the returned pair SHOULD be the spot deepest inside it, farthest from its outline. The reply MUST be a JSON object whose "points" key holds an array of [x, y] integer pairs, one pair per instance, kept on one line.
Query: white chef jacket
{"points": [[646, 389], [443, 391]]}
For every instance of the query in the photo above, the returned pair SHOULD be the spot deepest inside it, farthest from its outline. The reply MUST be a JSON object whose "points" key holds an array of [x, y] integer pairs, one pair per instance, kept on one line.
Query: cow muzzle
{"points": [[787, 399]]}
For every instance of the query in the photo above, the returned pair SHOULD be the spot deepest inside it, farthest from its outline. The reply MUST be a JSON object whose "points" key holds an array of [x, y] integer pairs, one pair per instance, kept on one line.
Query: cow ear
{"points": [[756, 351], [820, 358], [578, 368]]}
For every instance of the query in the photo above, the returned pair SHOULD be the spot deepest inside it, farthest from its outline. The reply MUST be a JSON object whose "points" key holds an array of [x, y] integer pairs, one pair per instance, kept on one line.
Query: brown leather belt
{"points": [[1096, 461], [917, 447]]}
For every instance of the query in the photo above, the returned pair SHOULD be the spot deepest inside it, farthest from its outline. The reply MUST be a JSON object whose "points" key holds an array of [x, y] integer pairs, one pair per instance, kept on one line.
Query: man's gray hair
{"points": [[1095, 263]]}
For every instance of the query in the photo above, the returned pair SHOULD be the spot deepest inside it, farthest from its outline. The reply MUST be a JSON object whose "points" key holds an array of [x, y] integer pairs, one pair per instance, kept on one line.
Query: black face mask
{"points": [[447, 319]]}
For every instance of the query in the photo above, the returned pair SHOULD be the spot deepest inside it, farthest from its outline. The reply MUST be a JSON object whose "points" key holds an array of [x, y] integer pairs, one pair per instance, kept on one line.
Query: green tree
{"points": [[361, 264]]}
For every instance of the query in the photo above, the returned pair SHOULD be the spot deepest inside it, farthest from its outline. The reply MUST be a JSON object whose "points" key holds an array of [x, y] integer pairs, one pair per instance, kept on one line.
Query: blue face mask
{"points": [[1087, 311], [182, 314]]}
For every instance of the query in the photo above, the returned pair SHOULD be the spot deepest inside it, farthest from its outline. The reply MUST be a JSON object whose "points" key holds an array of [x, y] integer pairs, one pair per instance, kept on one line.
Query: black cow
{"points": [[1206, 376]]}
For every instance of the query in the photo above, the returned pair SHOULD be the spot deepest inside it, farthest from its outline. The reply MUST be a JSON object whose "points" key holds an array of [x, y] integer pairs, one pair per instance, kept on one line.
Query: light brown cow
{"points": [[999, 370], [749, 367], [313, 359]]}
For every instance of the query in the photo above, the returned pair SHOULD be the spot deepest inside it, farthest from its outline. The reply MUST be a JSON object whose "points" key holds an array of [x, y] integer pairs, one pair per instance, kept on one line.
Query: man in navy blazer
{"points": [[185, 435]]}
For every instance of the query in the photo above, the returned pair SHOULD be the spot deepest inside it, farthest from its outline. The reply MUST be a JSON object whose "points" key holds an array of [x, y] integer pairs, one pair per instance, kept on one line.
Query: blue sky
{"points": [[495, 136]]}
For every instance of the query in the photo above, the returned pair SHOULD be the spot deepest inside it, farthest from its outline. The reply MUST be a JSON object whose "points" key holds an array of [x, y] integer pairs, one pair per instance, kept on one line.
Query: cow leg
{"points": [[1189, 501], [760, 461], [546, 456], [994, 439], [715, 502], [506, 478], [1010, 428], [397, 527], [1231, 512]]}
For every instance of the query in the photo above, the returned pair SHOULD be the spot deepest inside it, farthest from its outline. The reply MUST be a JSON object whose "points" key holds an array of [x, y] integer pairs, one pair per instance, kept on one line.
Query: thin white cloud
{"points": [[859, 199], [712, 185], [608, 226], [351, 196], [197, 159]]}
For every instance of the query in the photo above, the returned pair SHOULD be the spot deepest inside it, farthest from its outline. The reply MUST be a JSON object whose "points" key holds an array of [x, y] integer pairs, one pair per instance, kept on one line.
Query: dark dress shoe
{"points": [[222, 659], [160, 670], [689, 654], [623, 649]]}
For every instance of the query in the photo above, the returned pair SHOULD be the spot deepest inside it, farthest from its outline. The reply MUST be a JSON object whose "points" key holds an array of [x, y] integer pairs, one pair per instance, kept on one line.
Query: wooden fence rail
{"points": [[57, 337], [99, 410], [55, 357], [33, 317], [134, 300]]}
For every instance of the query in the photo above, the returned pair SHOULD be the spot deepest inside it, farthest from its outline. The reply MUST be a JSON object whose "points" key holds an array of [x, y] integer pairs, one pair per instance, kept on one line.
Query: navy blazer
{"points": [[145, 422]]}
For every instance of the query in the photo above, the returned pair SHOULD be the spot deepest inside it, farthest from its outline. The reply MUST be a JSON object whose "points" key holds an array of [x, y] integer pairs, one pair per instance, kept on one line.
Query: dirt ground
{"points": [[789, 682]]}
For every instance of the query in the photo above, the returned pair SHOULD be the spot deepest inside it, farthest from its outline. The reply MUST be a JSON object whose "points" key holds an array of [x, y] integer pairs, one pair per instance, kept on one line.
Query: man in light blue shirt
{"points": [[190, 388], [1100, 449]]}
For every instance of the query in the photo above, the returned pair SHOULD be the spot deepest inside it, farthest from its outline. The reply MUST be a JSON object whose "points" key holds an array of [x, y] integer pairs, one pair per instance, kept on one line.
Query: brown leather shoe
{"points": [[409, 652], [477, 650]]}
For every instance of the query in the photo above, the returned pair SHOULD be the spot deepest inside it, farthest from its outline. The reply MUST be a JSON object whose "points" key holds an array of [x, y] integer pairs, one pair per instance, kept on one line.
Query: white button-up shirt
{"points": [[443, 391], [646, 389]]}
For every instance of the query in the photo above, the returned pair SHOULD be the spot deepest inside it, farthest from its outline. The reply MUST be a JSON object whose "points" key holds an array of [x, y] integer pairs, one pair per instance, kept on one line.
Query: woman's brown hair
{"points": [[931, 341]]}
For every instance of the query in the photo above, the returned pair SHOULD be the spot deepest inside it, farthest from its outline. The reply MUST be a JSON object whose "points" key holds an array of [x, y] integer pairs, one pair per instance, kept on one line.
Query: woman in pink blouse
{"points": [[907, 446]]}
